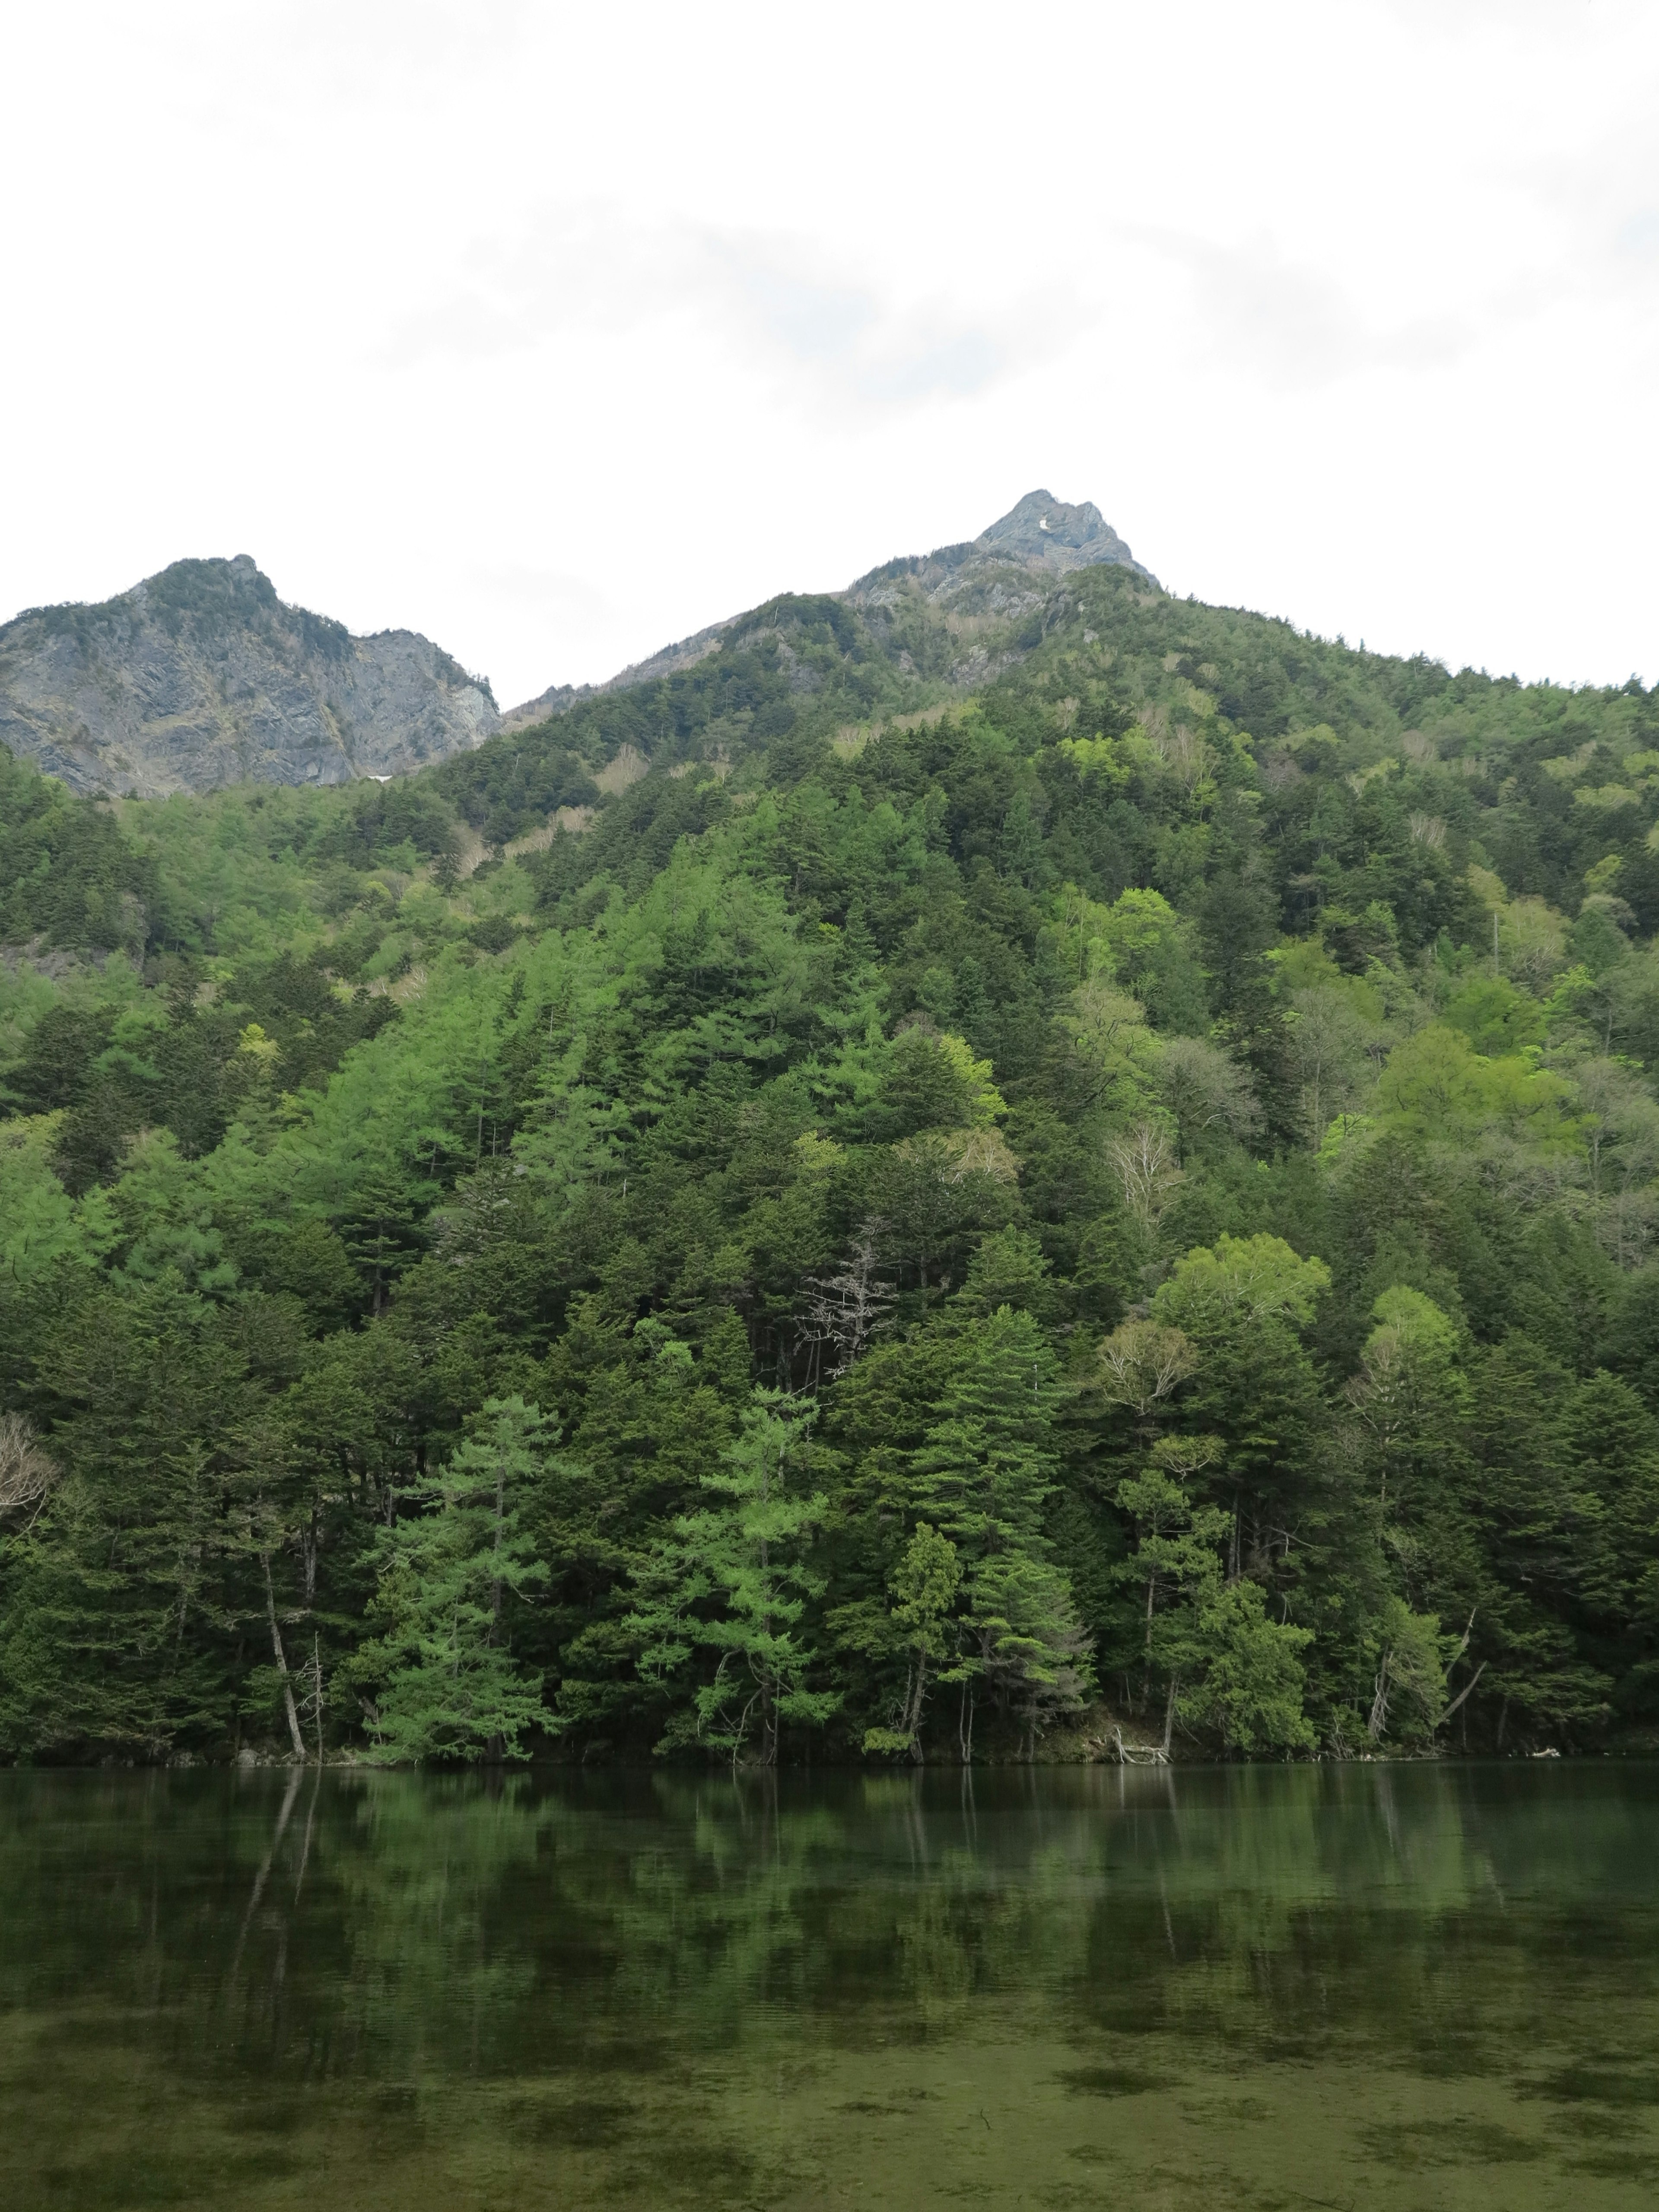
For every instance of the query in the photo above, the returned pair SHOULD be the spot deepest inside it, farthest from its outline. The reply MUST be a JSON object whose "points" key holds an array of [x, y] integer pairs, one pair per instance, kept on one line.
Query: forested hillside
{"points": [[805, 1209]]}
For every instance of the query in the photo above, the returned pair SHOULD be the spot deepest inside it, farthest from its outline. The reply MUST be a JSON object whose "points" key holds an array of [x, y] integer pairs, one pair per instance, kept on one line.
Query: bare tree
{"points": [[281, 1657], [1204, 1089], [1145, 1162], [27, 1477], [846, 1310]]}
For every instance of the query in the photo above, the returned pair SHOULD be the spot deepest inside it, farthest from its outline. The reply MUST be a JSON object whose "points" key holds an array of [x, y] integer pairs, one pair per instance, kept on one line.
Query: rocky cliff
{"points": [[1010, 567], [202, 677], [1044, 533]]}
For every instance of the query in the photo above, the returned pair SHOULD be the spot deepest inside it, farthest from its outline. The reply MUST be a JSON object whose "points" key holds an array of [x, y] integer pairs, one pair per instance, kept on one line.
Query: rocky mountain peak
{"points": [[1044, 531], [201, 676]]}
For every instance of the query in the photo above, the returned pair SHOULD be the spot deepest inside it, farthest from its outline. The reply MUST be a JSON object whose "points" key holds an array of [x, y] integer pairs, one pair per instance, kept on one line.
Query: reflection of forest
{"points": [[353, 1949]]}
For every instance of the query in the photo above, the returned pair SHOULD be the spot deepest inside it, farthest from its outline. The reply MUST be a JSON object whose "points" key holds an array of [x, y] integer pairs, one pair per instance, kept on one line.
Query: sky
{"points": [[559, 333]]}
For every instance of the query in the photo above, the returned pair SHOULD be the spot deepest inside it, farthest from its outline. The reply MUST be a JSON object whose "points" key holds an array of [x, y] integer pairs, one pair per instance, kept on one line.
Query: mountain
{"points": [[909, 638], [201, 676], [560, 698], [1120, 1193], [1005, 571]]}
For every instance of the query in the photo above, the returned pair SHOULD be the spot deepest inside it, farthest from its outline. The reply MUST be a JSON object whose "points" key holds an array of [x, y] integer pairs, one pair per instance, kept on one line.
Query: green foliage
{"points": [[67, 874], [732, 1580], [1223, 1663], [1253, 1278], [924, 1585], [447, 1686], [1176, 1129]]}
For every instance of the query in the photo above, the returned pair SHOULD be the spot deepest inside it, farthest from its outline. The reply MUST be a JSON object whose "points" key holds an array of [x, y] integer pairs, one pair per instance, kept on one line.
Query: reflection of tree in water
{"points": [[1277, 1908], [331, 1934]]}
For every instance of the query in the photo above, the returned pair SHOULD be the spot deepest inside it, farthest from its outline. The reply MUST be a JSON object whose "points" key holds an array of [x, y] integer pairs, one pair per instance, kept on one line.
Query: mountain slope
{"points": [[963, 590], [201, 676], [1158, 1151], [909, 637]]}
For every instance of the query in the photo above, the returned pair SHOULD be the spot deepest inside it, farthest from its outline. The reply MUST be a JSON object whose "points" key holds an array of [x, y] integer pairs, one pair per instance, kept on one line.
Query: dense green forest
{"points": [[794, 1211]]}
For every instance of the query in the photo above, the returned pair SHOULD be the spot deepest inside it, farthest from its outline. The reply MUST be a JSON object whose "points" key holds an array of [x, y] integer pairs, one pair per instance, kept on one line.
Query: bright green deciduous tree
{"points": [[1435, 1087], [1251, 1278]]}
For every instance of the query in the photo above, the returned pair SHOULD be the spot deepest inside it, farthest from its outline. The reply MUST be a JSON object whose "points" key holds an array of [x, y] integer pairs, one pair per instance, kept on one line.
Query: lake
{"points": [[1412, 1986]]}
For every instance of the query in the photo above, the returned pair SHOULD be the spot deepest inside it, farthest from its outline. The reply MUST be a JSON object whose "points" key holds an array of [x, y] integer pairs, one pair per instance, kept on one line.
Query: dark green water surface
{"points": [[1363, 1986]]}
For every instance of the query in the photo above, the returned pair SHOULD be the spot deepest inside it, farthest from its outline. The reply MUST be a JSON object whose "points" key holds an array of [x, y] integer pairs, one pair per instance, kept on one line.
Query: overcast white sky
{"points": [[557, 333]]}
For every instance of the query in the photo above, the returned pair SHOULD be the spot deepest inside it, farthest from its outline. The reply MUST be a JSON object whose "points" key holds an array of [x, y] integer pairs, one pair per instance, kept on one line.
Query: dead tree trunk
{"points": [[281, 1661]]}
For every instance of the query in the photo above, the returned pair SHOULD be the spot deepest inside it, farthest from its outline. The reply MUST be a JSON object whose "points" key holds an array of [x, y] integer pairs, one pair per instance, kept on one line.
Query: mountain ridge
{"points": [[200, 676], [996, 573]]}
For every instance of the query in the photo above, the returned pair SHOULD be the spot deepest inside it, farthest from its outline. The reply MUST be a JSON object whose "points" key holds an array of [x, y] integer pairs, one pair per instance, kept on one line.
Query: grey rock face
{"points": [[202, 677], [980, 591], [1044, 531], [1008, 568]]}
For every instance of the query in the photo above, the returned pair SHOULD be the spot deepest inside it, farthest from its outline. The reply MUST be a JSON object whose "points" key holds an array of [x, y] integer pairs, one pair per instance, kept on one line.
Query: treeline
{"points": [[1119, 1211]]}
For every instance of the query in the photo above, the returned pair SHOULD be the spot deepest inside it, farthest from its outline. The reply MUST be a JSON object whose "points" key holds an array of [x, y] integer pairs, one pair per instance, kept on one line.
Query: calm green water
{"points": [[1272, 1987]]}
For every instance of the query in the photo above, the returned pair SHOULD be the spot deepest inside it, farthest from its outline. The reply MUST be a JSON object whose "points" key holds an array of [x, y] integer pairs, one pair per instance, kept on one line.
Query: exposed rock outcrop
{"points": [[1012, 564], [1044, 532], [202, 677]]}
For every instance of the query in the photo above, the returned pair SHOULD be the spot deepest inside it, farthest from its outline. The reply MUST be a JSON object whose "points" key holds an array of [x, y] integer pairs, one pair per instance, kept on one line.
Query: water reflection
{"points": [[1256, 1986]]}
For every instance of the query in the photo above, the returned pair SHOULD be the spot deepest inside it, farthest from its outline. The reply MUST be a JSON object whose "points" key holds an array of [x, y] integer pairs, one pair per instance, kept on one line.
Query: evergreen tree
{"points": [[889, 1078], [447, 1686], [732, 1581], [924, 1585], [1222, 1662], [982, 1474]]}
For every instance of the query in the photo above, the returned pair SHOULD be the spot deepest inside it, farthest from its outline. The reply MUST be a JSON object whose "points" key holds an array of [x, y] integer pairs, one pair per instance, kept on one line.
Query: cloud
{"points": [[552, 593], [1297, 325], [835, 334], [873, 349]]}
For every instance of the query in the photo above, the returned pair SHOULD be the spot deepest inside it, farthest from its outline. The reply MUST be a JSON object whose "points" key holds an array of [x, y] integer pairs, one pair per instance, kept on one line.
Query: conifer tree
{"points": [[924, 1585], [731, 1581], [983, 1474], [1224, 1663], [449, 1687]]}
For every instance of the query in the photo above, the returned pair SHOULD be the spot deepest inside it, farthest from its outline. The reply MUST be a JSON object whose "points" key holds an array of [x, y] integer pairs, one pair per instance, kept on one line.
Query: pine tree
{"points": [[983, 1475], [924, 1586], [1224, 1664], [451, 1685], [732, 1580]]}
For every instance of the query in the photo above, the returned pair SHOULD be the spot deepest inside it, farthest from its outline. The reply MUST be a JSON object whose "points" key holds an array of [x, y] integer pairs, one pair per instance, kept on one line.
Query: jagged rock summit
{"points": [[202, 677], [1043, 532], [1006, 569], [1009, 567]]}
